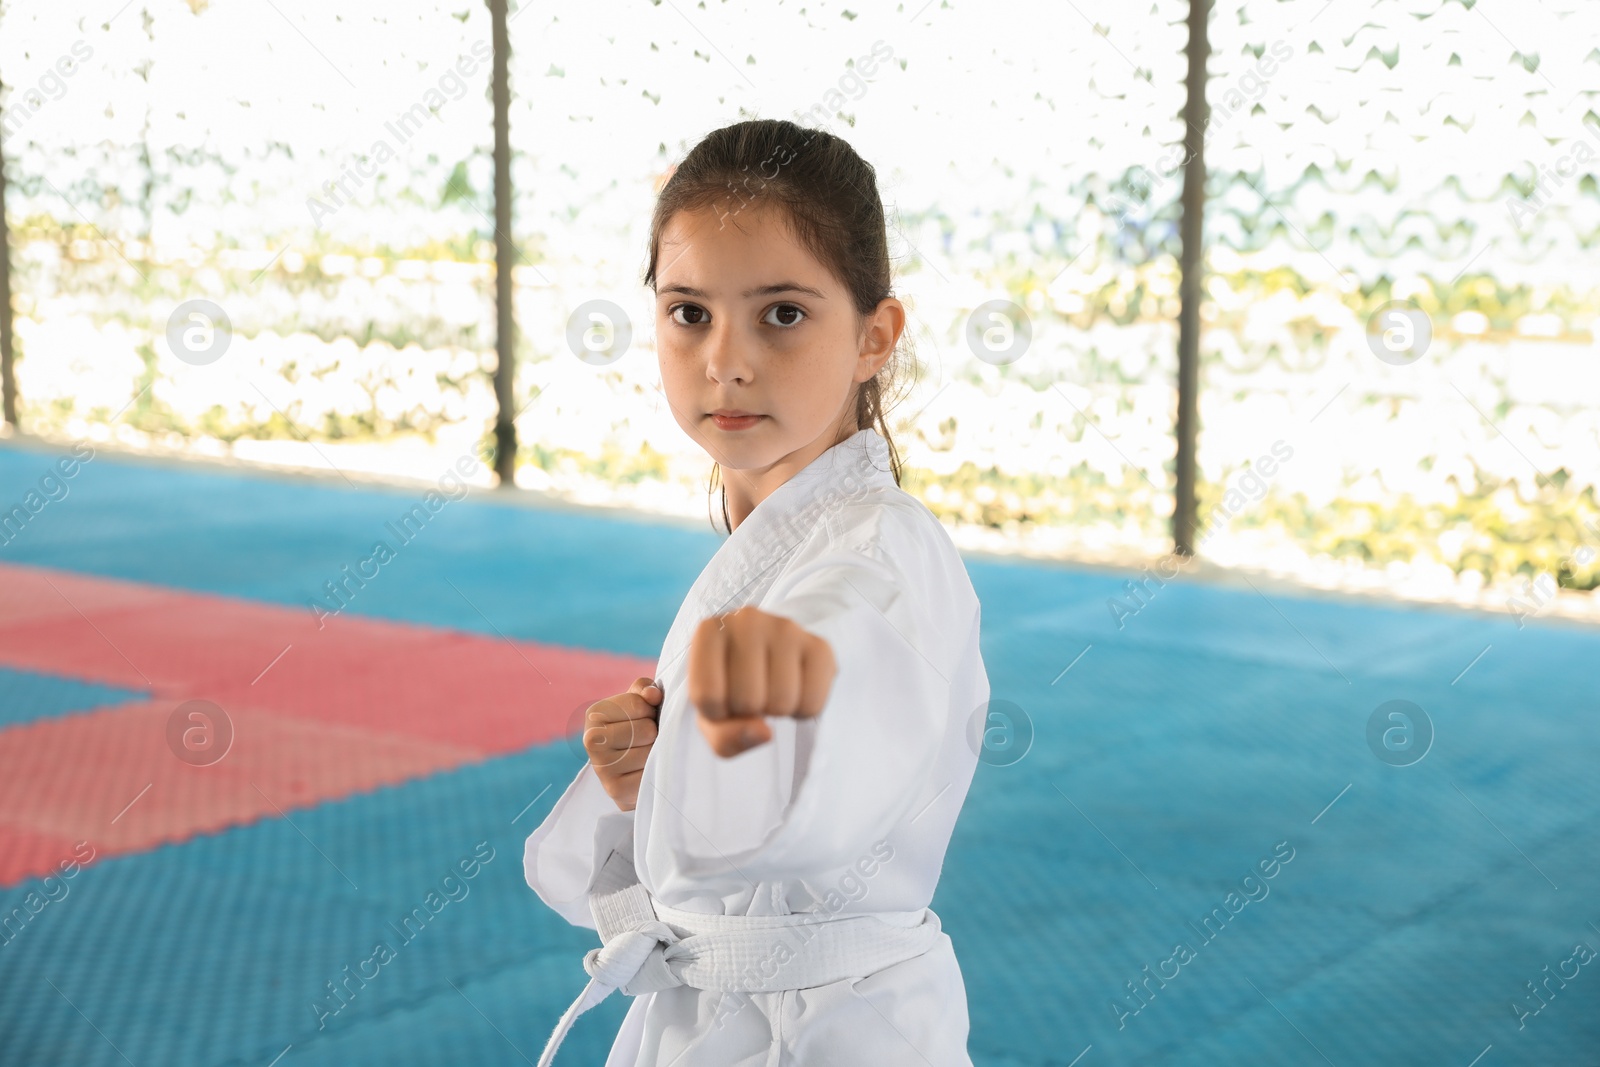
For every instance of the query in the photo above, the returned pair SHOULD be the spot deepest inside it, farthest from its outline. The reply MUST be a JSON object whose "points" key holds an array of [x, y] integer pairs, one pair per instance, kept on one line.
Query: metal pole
{"points": [[505, 430], [8, 377], [1190, 266]]}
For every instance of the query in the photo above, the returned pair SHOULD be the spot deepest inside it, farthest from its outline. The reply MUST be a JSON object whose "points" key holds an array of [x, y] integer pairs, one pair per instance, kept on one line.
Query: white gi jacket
{"points": [[849, 813]]}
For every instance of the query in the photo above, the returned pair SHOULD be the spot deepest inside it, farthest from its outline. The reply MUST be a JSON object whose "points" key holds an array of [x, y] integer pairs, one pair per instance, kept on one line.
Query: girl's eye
{"points": [[687, 314], [783, 315]]}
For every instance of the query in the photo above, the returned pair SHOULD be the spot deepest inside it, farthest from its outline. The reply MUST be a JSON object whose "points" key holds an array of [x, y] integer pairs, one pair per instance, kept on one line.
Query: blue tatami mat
{"points": [[1173, 759], [28, 695]]}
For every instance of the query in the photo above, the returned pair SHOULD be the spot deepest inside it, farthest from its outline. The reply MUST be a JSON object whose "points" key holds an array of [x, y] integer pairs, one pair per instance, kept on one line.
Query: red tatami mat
{"points": [[317, 713]]}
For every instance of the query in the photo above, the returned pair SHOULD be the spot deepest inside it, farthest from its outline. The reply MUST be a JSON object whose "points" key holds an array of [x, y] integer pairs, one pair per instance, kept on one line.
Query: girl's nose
{"points": [[726, 356]]}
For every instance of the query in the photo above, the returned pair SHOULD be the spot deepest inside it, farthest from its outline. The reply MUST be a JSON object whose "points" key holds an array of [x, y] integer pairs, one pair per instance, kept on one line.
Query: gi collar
{"points": [[744, 567]]}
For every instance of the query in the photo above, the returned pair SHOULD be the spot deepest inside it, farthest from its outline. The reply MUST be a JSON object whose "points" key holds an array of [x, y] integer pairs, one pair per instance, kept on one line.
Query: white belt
{"points": [[643, 951]]}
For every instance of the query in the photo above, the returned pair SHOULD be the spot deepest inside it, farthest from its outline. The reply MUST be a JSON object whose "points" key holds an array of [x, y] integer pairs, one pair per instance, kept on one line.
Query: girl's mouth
{"points": [[735, 422]]}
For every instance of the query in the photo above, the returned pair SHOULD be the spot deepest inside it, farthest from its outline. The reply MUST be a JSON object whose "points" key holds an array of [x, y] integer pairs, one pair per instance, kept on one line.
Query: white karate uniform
{"points": [[848, 813]]}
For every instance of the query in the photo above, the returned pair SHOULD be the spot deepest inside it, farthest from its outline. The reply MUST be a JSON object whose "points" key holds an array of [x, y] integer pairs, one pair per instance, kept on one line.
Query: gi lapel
{"points": [[754, 555]]}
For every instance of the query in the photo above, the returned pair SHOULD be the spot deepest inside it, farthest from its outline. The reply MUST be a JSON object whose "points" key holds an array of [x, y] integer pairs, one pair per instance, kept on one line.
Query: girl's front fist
{"points": [[749, 664]]}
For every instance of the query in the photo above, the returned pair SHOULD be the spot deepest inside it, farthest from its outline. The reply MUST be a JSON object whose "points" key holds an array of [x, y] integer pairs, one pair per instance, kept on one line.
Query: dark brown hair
{"points": [[831, 198]]}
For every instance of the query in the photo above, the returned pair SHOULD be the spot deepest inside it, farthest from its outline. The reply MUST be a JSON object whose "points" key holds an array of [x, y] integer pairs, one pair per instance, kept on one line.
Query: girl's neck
{"points": [[747, 488]]}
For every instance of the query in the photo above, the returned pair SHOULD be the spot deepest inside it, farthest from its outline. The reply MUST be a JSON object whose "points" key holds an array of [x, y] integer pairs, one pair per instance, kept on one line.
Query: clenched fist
{"points": [[617, 734], [749, 664]]}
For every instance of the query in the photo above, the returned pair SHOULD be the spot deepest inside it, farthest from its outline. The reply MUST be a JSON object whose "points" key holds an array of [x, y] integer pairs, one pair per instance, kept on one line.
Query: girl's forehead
{"points": [[748, 222], [714, 239]]}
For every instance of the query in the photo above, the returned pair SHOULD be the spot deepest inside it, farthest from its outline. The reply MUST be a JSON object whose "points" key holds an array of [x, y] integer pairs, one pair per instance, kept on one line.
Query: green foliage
{"points": [[1485, 528], [613, 464]]}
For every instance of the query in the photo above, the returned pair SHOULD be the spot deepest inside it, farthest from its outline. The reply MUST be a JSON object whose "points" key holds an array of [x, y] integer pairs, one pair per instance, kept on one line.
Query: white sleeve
{"points": [[567, 849], [872, 748]]}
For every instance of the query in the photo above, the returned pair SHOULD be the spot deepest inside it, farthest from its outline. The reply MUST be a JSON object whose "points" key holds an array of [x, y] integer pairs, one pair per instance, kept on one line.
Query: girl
{"points": [[760, 828]]}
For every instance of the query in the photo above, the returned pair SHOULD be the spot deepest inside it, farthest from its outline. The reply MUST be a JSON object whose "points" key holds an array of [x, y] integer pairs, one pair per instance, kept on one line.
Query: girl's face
{"points": [[748, 321]]}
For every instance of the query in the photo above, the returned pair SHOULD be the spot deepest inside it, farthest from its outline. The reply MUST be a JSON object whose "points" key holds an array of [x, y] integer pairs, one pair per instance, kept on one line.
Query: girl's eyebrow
{"points": [[764, 290]]}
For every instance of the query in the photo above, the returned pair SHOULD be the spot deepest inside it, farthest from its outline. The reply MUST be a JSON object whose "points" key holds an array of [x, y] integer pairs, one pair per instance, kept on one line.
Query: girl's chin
{"points": [[741, 451]]}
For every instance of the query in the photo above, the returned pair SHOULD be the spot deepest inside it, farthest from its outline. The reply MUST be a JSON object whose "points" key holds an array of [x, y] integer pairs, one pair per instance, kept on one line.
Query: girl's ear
{"points": [[880, 333]]}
